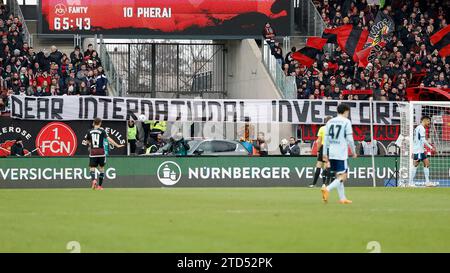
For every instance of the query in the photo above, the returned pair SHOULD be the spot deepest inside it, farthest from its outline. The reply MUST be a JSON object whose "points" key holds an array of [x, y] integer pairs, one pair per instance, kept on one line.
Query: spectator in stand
{"points": [[43, 59], [278, 54], [288, 58], [84, 89], [76, 57], [43, 77], [100, 83], [95, 59], [289, 148], [82, 74], [55, 55], [32, 89], [442, 81], [268, 32], [88, 53]]}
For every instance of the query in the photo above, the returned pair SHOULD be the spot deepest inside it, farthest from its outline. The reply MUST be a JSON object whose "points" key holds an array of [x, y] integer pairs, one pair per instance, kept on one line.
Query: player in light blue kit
{"points": [[419, 140], [338, 137]]}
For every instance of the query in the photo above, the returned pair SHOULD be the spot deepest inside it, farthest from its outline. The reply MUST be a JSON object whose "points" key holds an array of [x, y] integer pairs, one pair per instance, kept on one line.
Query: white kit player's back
{"points": [[336, 132]]}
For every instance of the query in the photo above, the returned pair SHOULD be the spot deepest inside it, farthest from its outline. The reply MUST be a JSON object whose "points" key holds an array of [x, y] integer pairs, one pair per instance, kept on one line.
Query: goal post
{"points": [[437, 134]]}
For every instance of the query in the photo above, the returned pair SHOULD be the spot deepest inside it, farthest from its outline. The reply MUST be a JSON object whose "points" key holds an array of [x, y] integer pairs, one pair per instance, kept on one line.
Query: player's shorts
{"points": [[320, 154], [97, 161], [420, 157], [338, 166]]}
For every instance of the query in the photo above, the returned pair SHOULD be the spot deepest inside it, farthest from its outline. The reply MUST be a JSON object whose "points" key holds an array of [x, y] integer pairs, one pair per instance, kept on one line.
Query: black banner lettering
{"points": [[117, 108], [28, 108], [195, 110], [132, 110], [178, 105], [43, 107]]}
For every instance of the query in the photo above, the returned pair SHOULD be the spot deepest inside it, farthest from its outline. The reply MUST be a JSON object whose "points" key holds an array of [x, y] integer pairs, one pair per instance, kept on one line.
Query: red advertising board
{"points": [[240, 18], [380, 132], [56, 139]]}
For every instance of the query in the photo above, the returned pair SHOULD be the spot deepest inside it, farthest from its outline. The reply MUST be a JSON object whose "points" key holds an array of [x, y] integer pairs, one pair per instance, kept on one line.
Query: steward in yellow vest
{"points": [[132, 134], [157, 127]]}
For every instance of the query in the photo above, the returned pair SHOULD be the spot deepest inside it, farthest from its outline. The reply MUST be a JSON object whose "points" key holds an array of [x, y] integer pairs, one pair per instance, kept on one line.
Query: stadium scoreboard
{"points": [[181, 18]]}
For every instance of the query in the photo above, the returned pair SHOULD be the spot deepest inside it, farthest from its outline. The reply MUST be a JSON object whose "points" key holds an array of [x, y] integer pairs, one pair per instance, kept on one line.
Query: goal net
{"points": [[437, 135]]}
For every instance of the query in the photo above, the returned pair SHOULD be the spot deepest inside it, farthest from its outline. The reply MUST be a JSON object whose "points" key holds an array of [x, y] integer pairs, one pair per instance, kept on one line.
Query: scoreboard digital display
{"points": [[182, 18]]}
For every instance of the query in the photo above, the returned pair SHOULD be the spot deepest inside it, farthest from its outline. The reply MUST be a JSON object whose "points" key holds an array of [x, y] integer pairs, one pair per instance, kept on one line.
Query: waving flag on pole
{"points": [[382, 29], [350, 38], [307, 55], [330, 35], [368, 54], [380, 34], [441, 41], [316, 42]]}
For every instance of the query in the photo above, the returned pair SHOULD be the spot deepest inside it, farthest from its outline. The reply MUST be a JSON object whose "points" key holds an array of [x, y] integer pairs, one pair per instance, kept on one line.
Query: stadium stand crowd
{"points": [[409, 55], [44, 73]]}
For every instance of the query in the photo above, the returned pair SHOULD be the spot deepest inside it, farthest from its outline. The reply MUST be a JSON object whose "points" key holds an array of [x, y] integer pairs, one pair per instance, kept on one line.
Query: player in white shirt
{"points": [[338, 137], [419, 140]]}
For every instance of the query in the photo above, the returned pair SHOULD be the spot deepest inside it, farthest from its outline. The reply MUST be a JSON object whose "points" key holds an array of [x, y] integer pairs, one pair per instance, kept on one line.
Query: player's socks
{"points": [[324, 176], [426, 172], [341, 191], [316, 176], [333, 184], [94, 181], [100, 179], [329, 176], [413, 172]]}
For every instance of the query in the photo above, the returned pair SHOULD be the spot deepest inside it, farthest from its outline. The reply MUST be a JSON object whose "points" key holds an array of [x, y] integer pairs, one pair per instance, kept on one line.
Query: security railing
{"points": [[285, 84], [308, 21], [35, 37], [114, 80], [160, 69]]}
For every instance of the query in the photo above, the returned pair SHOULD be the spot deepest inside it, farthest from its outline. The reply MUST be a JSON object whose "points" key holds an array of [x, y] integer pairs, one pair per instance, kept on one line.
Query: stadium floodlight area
{"points": [[437, 136]]}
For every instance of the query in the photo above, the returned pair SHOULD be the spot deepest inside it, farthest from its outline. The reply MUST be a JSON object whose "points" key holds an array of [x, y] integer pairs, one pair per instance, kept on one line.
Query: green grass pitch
{"points": [[224, 220]]}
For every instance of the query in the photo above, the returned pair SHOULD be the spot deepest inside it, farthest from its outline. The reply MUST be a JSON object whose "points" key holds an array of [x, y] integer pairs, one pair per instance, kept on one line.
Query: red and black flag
{"points": [[316, 42], [441, 41], [382, 29], [350, 38], [368, 54], [330, 35], [307, 55], [380, 34]]}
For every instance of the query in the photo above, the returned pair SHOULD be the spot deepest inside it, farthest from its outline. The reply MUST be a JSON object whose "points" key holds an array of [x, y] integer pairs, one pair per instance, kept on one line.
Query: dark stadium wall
{"points": [[147, 172]]}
